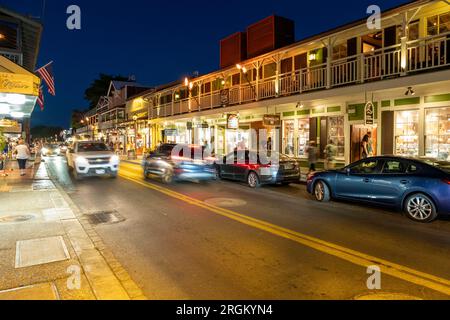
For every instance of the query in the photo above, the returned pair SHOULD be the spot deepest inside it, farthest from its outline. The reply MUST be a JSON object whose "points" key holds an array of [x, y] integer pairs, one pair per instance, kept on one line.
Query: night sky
{"points": [[157, 41]]}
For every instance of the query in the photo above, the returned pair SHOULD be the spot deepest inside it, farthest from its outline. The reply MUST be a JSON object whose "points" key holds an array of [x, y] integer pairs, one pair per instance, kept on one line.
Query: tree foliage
{"points": [[99, 88]]}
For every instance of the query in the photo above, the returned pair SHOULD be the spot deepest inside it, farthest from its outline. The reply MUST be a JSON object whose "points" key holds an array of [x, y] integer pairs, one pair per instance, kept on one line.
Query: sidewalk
{"points": [[47, 250]]}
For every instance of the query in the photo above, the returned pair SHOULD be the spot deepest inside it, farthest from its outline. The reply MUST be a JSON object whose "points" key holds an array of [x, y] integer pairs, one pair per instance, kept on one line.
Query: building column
{"points": [[422, 126], [329, 58]]}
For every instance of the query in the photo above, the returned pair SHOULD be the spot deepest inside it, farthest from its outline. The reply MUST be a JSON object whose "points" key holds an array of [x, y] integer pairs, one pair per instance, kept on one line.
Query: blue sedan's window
{"points": [[367, 167], [394, 167]]}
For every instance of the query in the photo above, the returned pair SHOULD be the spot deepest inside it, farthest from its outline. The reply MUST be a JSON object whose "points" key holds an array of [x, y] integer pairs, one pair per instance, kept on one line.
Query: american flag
{"points": [[46, 74], [40, 99]]}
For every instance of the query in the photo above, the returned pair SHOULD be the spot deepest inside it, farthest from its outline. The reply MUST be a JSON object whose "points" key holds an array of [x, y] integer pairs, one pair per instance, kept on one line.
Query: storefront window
{"points": [[437, 139], [179, 134], [288, 137], [336, 135], [407, 133], [303, 137], [237, 139], [206, 138]]}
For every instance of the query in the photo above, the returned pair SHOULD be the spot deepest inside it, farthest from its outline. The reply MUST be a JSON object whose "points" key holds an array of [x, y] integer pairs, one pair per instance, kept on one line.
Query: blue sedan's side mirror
{"points": [[348, 171]]}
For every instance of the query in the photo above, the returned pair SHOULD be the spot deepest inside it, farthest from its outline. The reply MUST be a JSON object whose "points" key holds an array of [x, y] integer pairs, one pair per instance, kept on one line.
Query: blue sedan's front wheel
{"points": [[420, 208], [322, 191]]}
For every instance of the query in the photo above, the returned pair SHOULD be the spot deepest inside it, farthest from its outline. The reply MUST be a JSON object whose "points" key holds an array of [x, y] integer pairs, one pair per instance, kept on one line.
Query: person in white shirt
{"points": [[22, 155]]}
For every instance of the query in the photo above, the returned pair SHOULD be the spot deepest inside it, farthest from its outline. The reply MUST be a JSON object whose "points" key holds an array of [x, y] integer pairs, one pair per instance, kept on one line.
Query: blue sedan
{"points": [[420, 188]]}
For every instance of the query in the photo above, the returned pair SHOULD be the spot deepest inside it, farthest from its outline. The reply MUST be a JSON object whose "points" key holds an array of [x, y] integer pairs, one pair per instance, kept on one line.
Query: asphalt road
{"points": [[179, 242]]}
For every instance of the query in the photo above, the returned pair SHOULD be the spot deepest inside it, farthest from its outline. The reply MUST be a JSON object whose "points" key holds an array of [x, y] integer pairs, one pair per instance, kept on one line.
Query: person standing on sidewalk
{"points": [[22, 155], [3, 158], [330, 155]]}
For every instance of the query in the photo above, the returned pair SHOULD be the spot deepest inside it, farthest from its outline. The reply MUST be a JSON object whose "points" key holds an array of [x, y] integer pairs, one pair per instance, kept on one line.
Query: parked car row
{"points": [[420, 188], [189, 163]]}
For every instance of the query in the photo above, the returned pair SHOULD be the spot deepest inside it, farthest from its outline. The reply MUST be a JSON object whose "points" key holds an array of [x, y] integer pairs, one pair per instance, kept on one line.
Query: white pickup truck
{"points": [[89, 159]]}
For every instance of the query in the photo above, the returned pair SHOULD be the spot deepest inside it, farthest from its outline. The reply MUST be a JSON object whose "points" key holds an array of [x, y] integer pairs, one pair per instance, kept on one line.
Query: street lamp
{"points": [[245, 72], [190, 86]]}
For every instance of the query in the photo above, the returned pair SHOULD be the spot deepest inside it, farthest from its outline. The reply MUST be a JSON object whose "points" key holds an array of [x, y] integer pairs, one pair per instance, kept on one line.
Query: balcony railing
{"points": [[395, 61]]}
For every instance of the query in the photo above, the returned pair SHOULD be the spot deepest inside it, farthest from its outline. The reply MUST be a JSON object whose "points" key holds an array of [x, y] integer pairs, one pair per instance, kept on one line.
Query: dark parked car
{"points": [[420, 188], [247, 167], [179, 162]]}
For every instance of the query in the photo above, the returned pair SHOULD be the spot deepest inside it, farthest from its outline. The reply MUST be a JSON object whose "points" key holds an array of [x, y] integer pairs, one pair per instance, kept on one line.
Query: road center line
{"points": [[395, 270]]}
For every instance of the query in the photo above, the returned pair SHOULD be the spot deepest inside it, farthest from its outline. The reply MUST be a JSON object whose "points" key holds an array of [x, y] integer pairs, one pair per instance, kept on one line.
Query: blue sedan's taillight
{"points": [[447, 181]]}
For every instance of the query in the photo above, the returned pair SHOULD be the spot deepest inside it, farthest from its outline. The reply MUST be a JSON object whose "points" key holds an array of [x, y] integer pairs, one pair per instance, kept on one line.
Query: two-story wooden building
{"points": [[335, 86]]}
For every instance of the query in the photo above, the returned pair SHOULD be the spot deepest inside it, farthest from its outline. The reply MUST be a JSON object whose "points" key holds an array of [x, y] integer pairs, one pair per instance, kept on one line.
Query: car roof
{"points": [[419, 161], [87, 142]]}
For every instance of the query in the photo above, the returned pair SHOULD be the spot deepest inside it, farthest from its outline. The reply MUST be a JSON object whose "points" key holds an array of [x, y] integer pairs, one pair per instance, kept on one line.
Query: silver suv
{"points": [[89, 158]]}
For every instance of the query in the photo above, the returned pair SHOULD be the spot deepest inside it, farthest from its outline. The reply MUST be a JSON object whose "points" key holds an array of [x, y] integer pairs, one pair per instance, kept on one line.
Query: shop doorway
{"points": [[267, 138], [357, 135]]}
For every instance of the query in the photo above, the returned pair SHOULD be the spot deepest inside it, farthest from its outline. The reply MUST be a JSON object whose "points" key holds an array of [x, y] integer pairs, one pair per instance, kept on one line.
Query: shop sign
{"points": [[225, 97], [142, 115], [18, 83], [272, 120], [369, 112], [6, 123], [202, 126], [170, 132], [233, 121]]}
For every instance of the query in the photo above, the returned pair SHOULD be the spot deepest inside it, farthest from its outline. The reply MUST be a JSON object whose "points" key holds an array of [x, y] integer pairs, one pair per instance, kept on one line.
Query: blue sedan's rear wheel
{"points": [[420, 208], [322, 191]]}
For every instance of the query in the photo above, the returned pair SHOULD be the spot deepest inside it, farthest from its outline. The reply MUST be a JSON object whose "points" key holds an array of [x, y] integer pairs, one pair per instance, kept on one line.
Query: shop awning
{"points": [[19, 89]]}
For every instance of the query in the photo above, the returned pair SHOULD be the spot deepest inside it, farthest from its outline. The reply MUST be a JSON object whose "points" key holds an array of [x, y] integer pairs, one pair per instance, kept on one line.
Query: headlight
{"points": [[115, 159], [44, 150], [82, 161], [58, 150]]}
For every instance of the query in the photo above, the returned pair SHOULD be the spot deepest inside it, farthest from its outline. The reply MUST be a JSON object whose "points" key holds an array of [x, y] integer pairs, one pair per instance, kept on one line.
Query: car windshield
{"points": [[51, 146], [92, 147]]}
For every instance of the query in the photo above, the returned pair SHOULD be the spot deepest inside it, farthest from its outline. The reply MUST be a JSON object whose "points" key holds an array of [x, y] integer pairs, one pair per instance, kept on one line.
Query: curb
{"points": [[128, 284]]}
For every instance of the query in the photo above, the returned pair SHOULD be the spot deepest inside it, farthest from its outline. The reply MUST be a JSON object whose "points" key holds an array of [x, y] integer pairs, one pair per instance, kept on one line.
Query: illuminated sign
{"points": [[5, 123], [369, 112], [272, 120], [18, 83], [233, 121]]}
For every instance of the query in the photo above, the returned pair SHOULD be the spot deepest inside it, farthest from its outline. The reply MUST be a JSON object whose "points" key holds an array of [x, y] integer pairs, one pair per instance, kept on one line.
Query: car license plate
{"points": [[288, 166], [100, 171], [265, 172]]}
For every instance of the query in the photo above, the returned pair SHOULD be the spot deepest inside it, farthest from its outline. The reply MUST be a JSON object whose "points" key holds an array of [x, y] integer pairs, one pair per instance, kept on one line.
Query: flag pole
{"points": [[45, 65]]}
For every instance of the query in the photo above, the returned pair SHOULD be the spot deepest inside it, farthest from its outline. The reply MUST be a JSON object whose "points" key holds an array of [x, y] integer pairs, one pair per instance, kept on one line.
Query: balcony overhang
{"points": [[19, 90], [437, 82]]}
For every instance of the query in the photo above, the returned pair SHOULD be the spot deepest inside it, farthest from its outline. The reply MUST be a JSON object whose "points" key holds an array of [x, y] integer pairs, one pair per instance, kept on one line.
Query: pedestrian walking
{"points": [[22, 155], [312, 156], [330, 155]]}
